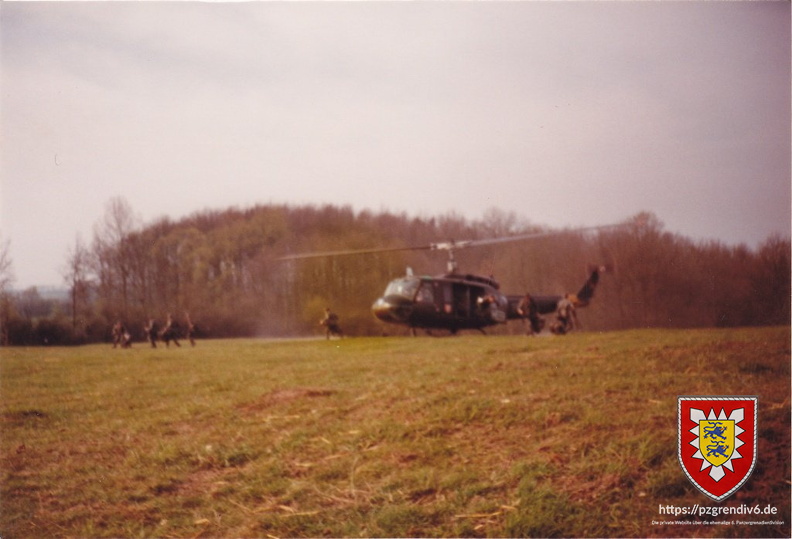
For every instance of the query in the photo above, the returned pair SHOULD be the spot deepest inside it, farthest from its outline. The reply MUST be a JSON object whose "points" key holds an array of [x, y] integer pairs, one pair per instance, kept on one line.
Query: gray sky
{"points": [[569, 114]]}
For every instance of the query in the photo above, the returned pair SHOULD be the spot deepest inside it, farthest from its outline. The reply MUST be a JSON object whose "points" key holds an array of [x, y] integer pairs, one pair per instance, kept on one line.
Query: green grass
{"points": [[379, 437]]}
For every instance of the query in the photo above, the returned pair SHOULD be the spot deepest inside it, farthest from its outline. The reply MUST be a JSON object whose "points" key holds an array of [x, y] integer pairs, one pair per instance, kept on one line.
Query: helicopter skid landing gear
{"points": [[441, 332]]}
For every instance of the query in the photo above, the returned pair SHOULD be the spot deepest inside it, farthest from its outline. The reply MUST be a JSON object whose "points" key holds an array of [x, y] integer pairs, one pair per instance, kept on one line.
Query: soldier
{"points": [[126, 337], [565, 316], [121, 336], [330, 322], [117, 331], [486, 303], [488, 306], [530, 315], [151, 332], [190, 329], [170, 331]]}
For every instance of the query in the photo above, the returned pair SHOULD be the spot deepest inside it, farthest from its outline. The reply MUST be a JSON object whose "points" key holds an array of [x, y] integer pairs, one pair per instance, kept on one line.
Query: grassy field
{"points": [[380, 437]]}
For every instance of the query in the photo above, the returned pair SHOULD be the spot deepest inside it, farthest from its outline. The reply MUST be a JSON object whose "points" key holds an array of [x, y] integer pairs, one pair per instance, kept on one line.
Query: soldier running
{"points": [[330, 322], [170, 332], [151, 332]]}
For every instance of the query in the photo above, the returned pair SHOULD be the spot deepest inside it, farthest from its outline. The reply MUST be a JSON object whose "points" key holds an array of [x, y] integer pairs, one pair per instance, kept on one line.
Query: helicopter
{"points": [[456, 301]]}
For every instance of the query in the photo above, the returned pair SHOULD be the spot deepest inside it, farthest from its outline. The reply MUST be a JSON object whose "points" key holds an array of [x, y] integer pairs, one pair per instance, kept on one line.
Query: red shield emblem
{"points": [[717, 442]]}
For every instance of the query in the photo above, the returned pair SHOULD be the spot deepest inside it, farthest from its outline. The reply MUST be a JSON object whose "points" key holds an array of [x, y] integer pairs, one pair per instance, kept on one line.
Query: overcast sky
{"points": [[569, 114]]}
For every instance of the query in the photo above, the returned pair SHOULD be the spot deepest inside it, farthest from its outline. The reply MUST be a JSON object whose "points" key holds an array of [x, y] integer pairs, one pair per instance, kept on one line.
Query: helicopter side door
{"points": [[462, 300], [451, 299]]}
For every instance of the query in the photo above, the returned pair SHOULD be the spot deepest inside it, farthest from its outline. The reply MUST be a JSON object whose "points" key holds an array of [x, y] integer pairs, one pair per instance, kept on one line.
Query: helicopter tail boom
{"points": [[544, 305], [586, 292], [548, 304]]}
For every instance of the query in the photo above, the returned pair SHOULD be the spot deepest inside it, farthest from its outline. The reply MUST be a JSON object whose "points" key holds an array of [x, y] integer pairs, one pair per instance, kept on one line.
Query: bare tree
{"points": [[6, 270], [771, 281], [6, 278], [76, 273], [112, 259]]}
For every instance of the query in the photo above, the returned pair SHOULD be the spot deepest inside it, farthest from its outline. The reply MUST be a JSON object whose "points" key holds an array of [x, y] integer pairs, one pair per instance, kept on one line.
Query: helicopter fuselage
{"points": [[452, 302]]}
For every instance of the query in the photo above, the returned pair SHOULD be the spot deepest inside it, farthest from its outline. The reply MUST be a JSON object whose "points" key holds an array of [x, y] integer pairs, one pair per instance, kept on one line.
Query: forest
{"points": [[224, 268]]}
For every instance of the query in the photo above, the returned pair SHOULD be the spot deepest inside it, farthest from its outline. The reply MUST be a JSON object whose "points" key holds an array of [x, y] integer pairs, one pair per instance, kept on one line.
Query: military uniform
{"points": [[170, 332], [530, 314], [330, 322], [151, 332]]}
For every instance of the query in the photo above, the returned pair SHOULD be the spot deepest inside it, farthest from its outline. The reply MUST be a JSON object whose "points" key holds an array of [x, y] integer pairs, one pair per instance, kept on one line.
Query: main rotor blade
{"points": [[346, 252], [533, 235], [444, 246]]}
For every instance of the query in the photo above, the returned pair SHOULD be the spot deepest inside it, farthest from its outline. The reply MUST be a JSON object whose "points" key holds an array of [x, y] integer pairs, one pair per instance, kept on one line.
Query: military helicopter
{"points": [[457, 301]]}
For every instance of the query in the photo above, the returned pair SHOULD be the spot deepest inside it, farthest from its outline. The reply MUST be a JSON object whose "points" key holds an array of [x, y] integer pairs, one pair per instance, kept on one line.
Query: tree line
{"points": [[224, 268]]}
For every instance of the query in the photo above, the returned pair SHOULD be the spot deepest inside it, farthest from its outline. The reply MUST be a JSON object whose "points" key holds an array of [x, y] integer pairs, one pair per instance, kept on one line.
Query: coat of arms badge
{"points": [[716, 442]]}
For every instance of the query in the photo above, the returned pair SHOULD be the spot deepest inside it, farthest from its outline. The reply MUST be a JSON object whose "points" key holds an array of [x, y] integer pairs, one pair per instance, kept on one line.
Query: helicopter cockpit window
{"points": [[403, 287]]}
